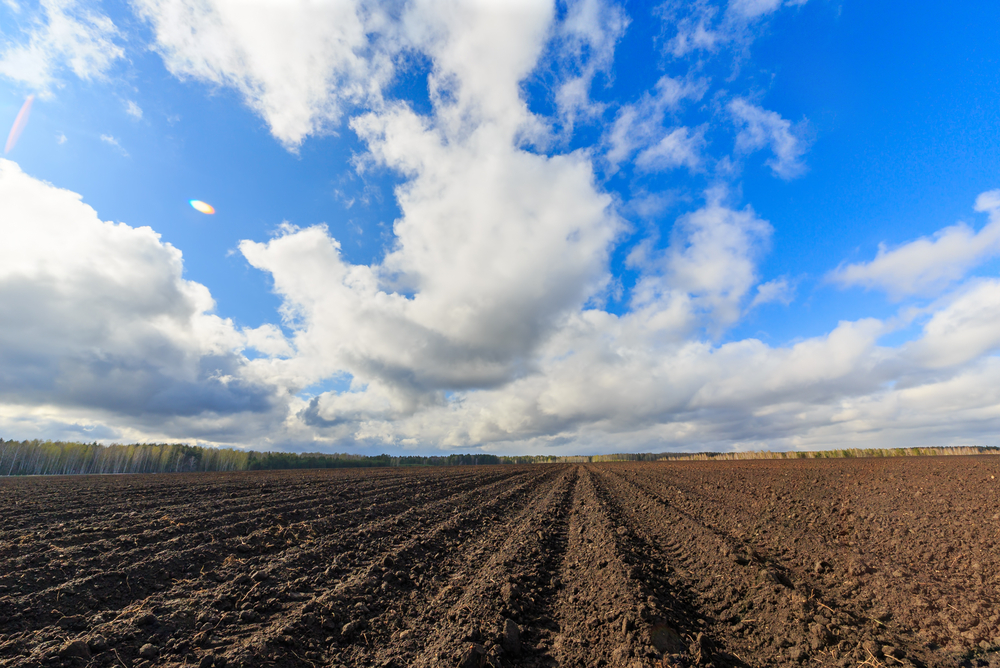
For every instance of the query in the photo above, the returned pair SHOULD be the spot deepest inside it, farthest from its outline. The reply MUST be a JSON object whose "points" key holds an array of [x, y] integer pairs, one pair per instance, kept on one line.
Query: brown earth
{"points": [[865, 562]]}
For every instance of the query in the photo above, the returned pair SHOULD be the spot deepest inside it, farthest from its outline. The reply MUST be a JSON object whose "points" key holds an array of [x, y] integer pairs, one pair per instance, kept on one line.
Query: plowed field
{"points": [[873, 562]]}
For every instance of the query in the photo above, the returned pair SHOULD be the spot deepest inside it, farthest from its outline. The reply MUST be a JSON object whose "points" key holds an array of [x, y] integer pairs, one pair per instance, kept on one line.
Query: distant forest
{"points": [[37, 457]]}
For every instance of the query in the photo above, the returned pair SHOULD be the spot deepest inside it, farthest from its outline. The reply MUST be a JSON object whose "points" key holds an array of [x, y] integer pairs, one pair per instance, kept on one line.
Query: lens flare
{"points": [[19, 123], [204, 207]]}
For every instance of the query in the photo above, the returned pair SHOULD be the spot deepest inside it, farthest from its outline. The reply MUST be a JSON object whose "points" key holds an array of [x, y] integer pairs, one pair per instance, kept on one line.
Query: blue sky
{"points": [[509, 227]]}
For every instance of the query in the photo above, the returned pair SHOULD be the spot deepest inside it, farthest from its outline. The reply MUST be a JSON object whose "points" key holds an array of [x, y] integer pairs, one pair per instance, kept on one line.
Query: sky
{"points": [[518, 227]]}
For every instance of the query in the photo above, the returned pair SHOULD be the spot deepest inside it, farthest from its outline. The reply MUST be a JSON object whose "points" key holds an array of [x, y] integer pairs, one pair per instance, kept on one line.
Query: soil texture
{"points": [[849, 562]]}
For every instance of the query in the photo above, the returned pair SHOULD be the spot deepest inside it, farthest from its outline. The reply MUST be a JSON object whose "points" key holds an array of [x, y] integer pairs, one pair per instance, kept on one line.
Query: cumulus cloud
{"points": [[780, 290], [491, 253], [928, 264], [963, 330], [618, 380], [640, 127], [96, 315], [645, 379], [607, 380], [296, 65], [495, 246], [709, 268], [481, 54], [760, 128], [303, 66], [63, 36]]}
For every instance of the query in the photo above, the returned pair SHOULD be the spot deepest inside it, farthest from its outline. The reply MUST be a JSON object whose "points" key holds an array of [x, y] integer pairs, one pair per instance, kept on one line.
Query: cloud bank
{"points": [[96, 315]]}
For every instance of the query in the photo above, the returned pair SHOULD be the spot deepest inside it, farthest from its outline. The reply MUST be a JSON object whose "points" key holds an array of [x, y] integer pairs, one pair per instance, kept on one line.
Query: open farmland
{"points": [[753, 563]]}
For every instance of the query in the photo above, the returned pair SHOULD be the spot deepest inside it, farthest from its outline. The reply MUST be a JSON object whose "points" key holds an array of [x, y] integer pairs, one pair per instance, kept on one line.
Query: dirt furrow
{"points": [[874, 563], [157, 560], [402, 585], [227, 509], [119, 597], [489, 588], [908, 548], [605, 617], [754, 608]]}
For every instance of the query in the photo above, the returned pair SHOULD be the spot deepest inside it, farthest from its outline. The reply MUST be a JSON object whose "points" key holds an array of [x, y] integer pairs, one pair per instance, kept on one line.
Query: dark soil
{"points": [[866, 562]]}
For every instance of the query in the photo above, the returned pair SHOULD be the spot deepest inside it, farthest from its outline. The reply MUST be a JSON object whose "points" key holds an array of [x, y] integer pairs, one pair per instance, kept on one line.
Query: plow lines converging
{"points": [[810, 562]]}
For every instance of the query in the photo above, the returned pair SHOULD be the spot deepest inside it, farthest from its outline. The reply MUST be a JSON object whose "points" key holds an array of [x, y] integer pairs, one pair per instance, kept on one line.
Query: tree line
{"points": [[35, 457], [839, 454]]}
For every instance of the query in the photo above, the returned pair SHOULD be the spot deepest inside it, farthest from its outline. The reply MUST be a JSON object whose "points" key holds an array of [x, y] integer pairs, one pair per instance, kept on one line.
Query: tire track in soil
{"points": [[749, 602], [855, 634], [606, 617], [671, 629], [743, 602]]}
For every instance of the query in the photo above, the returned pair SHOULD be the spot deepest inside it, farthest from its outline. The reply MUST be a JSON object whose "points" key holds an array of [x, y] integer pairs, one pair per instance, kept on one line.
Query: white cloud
{"points": [[615, 383], [989, 202], [586, 42], [645, 380], [63, 36], [963, 330], [269, 340], [108, 139], [752, 9], [709, 268], [481, 52], [640, 128], [760, 128], [604, 379], [707, 26], [494, 314], [694, 27], [495, 246], [297, 65], [496, 251], [929, 264], [133, 110], [61, 138], [680, 147], [95, 316], [779, 290]]}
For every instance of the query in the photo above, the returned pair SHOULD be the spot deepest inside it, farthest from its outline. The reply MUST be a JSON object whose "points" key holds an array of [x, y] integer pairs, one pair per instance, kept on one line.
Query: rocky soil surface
{"points": [[865, 562]]}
